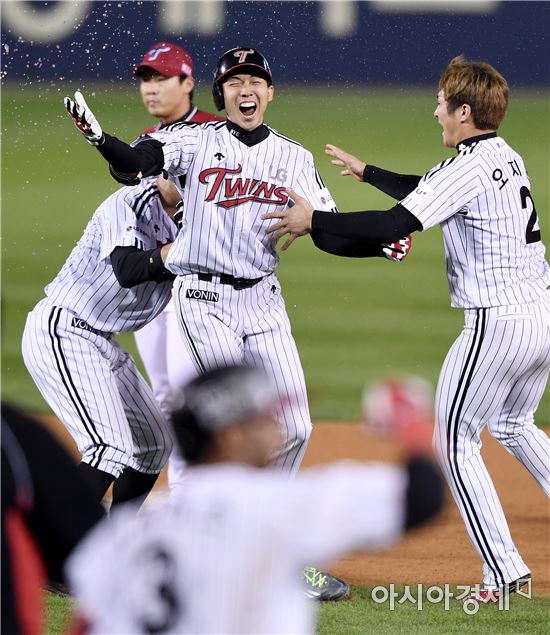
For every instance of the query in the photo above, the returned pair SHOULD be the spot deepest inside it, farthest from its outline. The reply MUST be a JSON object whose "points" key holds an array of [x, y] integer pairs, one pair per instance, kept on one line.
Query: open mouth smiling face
{"points": [[246, 99], [247, 108]]}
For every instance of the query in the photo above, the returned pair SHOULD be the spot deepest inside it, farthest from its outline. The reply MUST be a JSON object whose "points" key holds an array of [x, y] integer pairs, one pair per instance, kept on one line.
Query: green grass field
{"points": [[360, 615], [353, 320]]}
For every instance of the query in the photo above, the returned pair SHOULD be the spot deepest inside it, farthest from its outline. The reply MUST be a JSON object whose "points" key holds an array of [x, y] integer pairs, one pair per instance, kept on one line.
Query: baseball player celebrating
{"points": [[497, 369], [227, 297], [114, 280], [166, 86], [224, 555]]}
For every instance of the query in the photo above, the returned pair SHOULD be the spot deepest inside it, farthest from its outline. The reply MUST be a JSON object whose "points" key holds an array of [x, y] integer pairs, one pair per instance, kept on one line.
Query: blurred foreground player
{"points": [[224, 556], [47, 507]]}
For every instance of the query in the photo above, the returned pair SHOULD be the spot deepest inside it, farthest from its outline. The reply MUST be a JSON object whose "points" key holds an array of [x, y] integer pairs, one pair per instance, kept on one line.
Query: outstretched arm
{"points": [[128, 164], [382, 226], [353, 248], [395, 185], [348, 247]]}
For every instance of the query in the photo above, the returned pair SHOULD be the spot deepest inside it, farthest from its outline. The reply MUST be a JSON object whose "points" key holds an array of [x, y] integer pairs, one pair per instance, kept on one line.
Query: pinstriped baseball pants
{"points": [[494, 375], [96, 390], [248, 326]]}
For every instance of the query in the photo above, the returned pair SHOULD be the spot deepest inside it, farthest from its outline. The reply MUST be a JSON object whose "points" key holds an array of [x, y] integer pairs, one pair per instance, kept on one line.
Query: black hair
{"points": [[221, 395], [193, 441]]}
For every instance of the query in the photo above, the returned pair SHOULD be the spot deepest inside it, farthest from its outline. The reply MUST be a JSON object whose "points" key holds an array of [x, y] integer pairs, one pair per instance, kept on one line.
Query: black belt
{"points": [[236, 283]]}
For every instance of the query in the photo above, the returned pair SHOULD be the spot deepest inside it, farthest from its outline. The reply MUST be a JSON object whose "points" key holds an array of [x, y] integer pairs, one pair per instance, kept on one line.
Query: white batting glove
{"points": [[398, 250], [178, 215], [84, 118]]}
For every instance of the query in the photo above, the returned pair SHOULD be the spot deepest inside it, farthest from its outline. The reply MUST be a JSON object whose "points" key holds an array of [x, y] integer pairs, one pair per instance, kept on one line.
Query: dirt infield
{"points": [[440, 553]]}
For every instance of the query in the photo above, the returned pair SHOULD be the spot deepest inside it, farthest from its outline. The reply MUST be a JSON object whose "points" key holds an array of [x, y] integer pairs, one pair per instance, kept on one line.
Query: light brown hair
{"points": [[480, 86]]}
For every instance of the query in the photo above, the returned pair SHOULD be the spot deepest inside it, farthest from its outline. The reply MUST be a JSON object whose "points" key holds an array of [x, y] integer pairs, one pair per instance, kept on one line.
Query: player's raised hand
{"points": [[398, 250], [295, 219], [351, 164], [84, 118]]}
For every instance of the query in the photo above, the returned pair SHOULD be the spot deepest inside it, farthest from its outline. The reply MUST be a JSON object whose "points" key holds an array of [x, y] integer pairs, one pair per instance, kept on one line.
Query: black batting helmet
{"points": [[238, 60], [220, 397]]}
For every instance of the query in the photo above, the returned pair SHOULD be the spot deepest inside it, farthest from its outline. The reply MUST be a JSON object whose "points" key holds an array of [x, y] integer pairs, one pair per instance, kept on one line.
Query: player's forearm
{"points": [[347, 247], [146, 158], [380, 226], [133, 266], [395, 185]]}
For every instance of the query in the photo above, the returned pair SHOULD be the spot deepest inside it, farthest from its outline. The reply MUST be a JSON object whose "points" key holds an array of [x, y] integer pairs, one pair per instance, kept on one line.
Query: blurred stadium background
{"points": [[362, 75]]}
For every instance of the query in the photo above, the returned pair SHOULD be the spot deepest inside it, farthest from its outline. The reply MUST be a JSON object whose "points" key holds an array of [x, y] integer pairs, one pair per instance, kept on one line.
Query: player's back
{"points": [[226, 555], [205, 563], [500, 231], [481, 198], [87, 285]]}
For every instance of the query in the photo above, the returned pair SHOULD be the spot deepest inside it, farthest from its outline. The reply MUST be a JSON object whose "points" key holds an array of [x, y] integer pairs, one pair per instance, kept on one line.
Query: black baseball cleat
{"points": [[518, 584], [58, 588], [323, 586]]}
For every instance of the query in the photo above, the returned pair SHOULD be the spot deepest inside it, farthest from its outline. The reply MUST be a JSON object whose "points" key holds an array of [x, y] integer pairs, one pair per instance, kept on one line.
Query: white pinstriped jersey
{"points": [[228, 186], [87, 285], [482, 200], [226, 555]]}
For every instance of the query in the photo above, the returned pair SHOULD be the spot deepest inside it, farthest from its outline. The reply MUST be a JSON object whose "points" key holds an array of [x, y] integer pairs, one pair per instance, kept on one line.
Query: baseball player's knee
{"points": [[155, 456], [164, 445], [509, 431], [106, 458], [295, 438]]}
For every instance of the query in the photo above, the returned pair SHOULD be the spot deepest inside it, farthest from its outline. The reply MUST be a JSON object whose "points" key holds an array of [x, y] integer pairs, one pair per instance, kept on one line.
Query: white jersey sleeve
{"points": [[444, 190], [345, 506], [136, 218], [181, 142], [310, 185]]}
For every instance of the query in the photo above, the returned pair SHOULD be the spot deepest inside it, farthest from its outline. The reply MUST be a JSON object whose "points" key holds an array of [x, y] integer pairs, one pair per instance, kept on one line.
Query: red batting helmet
{"points": [[238, 60]]}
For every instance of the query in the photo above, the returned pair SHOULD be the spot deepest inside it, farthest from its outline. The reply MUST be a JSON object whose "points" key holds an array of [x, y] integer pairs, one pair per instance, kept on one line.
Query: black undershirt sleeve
{"points": [[126, 161], [378, 226], [347, 247], [395, 185], [132, 266]]}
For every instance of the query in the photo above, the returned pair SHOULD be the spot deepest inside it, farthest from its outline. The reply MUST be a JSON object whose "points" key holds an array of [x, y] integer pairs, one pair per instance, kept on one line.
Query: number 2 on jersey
{"points": [[532, 233]]}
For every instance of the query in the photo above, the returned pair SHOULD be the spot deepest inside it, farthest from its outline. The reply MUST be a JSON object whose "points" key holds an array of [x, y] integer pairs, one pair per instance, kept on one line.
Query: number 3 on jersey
{"points": [[532, 233]]}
